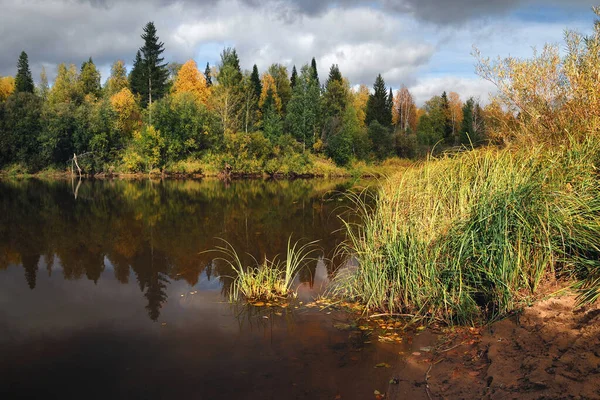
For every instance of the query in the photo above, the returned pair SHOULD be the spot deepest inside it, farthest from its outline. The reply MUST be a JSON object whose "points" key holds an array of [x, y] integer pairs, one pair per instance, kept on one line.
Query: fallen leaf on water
{"points": [[284, 305], [473, 373], [259, 304], [420, 328], [376, 392], [394, 381], [383, 365], [278, 314], [425, 349], [342, 327], [416, 353]]}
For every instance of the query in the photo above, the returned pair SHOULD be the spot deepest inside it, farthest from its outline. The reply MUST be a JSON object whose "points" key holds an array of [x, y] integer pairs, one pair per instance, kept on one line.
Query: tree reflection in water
{"points": [[161, 230]]}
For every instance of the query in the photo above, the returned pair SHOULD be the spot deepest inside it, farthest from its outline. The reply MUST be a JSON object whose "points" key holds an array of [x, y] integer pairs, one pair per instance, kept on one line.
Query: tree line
{"points": [[160, 114]]}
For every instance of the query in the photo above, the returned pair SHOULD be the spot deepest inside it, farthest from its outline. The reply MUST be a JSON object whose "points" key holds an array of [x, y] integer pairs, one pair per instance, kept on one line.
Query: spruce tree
{"points": [[294, 77], [23, 80], [207, 76], [447, 121], [390, 101], [90, 78], [313, 70], [255, 78], [377, 105], [136, 76], [154, 71]]}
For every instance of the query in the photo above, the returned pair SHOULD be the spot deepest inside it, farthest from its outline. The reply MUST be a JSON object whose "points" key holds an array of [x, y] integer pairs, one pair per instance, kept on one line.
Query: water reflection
{"points": [[157, 232]]}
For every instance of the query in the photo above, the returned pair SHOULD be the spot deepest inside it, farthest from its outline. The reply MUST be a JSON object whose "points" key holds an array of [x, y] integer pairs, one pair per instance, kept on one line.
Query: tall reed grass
{"points": [[469, 238]]}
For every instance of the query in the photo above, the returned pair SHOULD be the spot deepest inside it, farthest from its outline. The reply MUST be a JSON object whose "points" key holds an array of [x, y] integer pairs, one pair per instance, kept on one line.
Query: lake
{"points": [[109, 289]]}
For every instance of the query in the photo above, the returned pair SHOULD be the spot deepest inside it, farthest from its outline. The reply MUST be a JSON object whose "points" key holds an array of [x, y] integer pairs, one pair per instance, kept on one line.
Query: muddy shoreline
{"points": [[550, 351]]}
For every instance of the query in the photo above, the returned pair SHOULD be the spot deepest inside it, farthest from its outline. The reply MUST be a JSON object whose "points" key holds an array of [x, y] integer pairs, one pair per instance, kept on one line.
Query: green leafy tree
{"points": [[44, 87], [186, 124], [382, 139], [20, 128], [282, 83], [23, 79]]}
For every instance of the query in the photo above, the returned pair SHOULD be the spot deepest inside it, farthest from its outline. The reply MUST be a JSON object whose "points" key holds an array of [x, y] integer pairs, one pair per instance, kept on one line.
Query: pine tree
{"points": [[23, 80], [207, 76], [154, 73], [255, 78], [294, 77], [89, 78], [378, 105]]}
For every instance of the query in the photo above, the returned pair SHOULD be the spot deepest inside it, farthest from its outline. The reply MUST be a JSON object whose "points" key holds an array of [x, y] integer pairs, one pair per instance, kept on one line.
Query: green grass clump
{"points": [[269, 280], [469, 238]]}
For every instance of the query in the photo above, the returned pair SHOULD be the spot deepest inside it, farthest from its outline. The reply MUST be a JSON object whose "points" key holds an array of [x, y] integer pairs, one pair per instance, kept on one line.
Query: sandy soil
{"points": [[550, 351]]}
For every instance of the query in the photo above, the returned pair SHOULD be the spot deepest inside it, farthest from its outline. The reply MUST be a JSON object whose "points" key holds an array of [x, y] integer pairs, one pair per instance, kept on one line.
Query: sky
{"points": [[425, 45]]}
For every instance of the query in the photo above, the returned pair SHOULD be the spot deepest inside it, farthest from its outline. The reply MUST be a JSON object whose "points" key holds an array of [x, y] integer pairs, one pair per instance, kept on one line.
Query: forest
{"points": [[173, 118]]}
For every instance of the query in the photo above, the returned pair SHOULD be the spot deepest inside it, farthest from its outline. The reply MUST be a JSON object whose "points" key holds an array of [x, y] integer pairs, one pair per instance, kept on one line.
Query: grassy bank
{"points": [[472, 237], [213, 166]]}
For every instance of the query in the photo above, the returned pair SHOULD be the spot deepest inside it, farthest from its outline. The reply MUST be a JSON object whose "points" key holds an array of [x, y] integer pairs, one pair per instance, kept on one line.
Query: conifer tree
{"points": [[23, 80], [207, 76], [390, 101], [255, 78], [294, 77], [89, 77], [151, 83], [136, 76], [378, 105], [313, 70], [447, 121]]}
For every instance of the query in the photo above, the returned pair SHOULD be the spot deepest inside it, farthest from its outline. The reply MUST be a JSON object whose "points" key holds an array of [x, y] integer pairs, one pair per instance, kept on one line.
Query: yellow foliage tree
{"points": [[456, 115], [7, 86], [123, 103], [269, 86], [360, 99], [191, 80], [118, 78]]}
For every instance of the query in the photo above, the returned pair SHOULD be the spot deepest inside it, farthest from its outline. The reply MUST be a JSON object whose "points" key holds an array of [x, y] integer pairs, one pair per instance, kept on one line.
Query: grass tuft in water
{"points": [[269, 280]]}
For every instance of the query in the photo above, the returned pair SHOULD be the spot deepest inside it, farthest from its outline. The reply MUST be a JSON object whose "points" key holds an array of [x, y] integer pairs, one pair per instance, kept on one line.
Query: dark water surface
{"points": [[107, 291]]}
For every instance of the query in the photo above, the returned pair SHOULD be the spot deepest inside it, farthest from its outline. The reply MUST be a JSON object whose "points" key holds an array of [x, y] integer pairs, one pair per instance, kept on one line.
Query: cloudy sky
{"points": [[425, 45]]}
